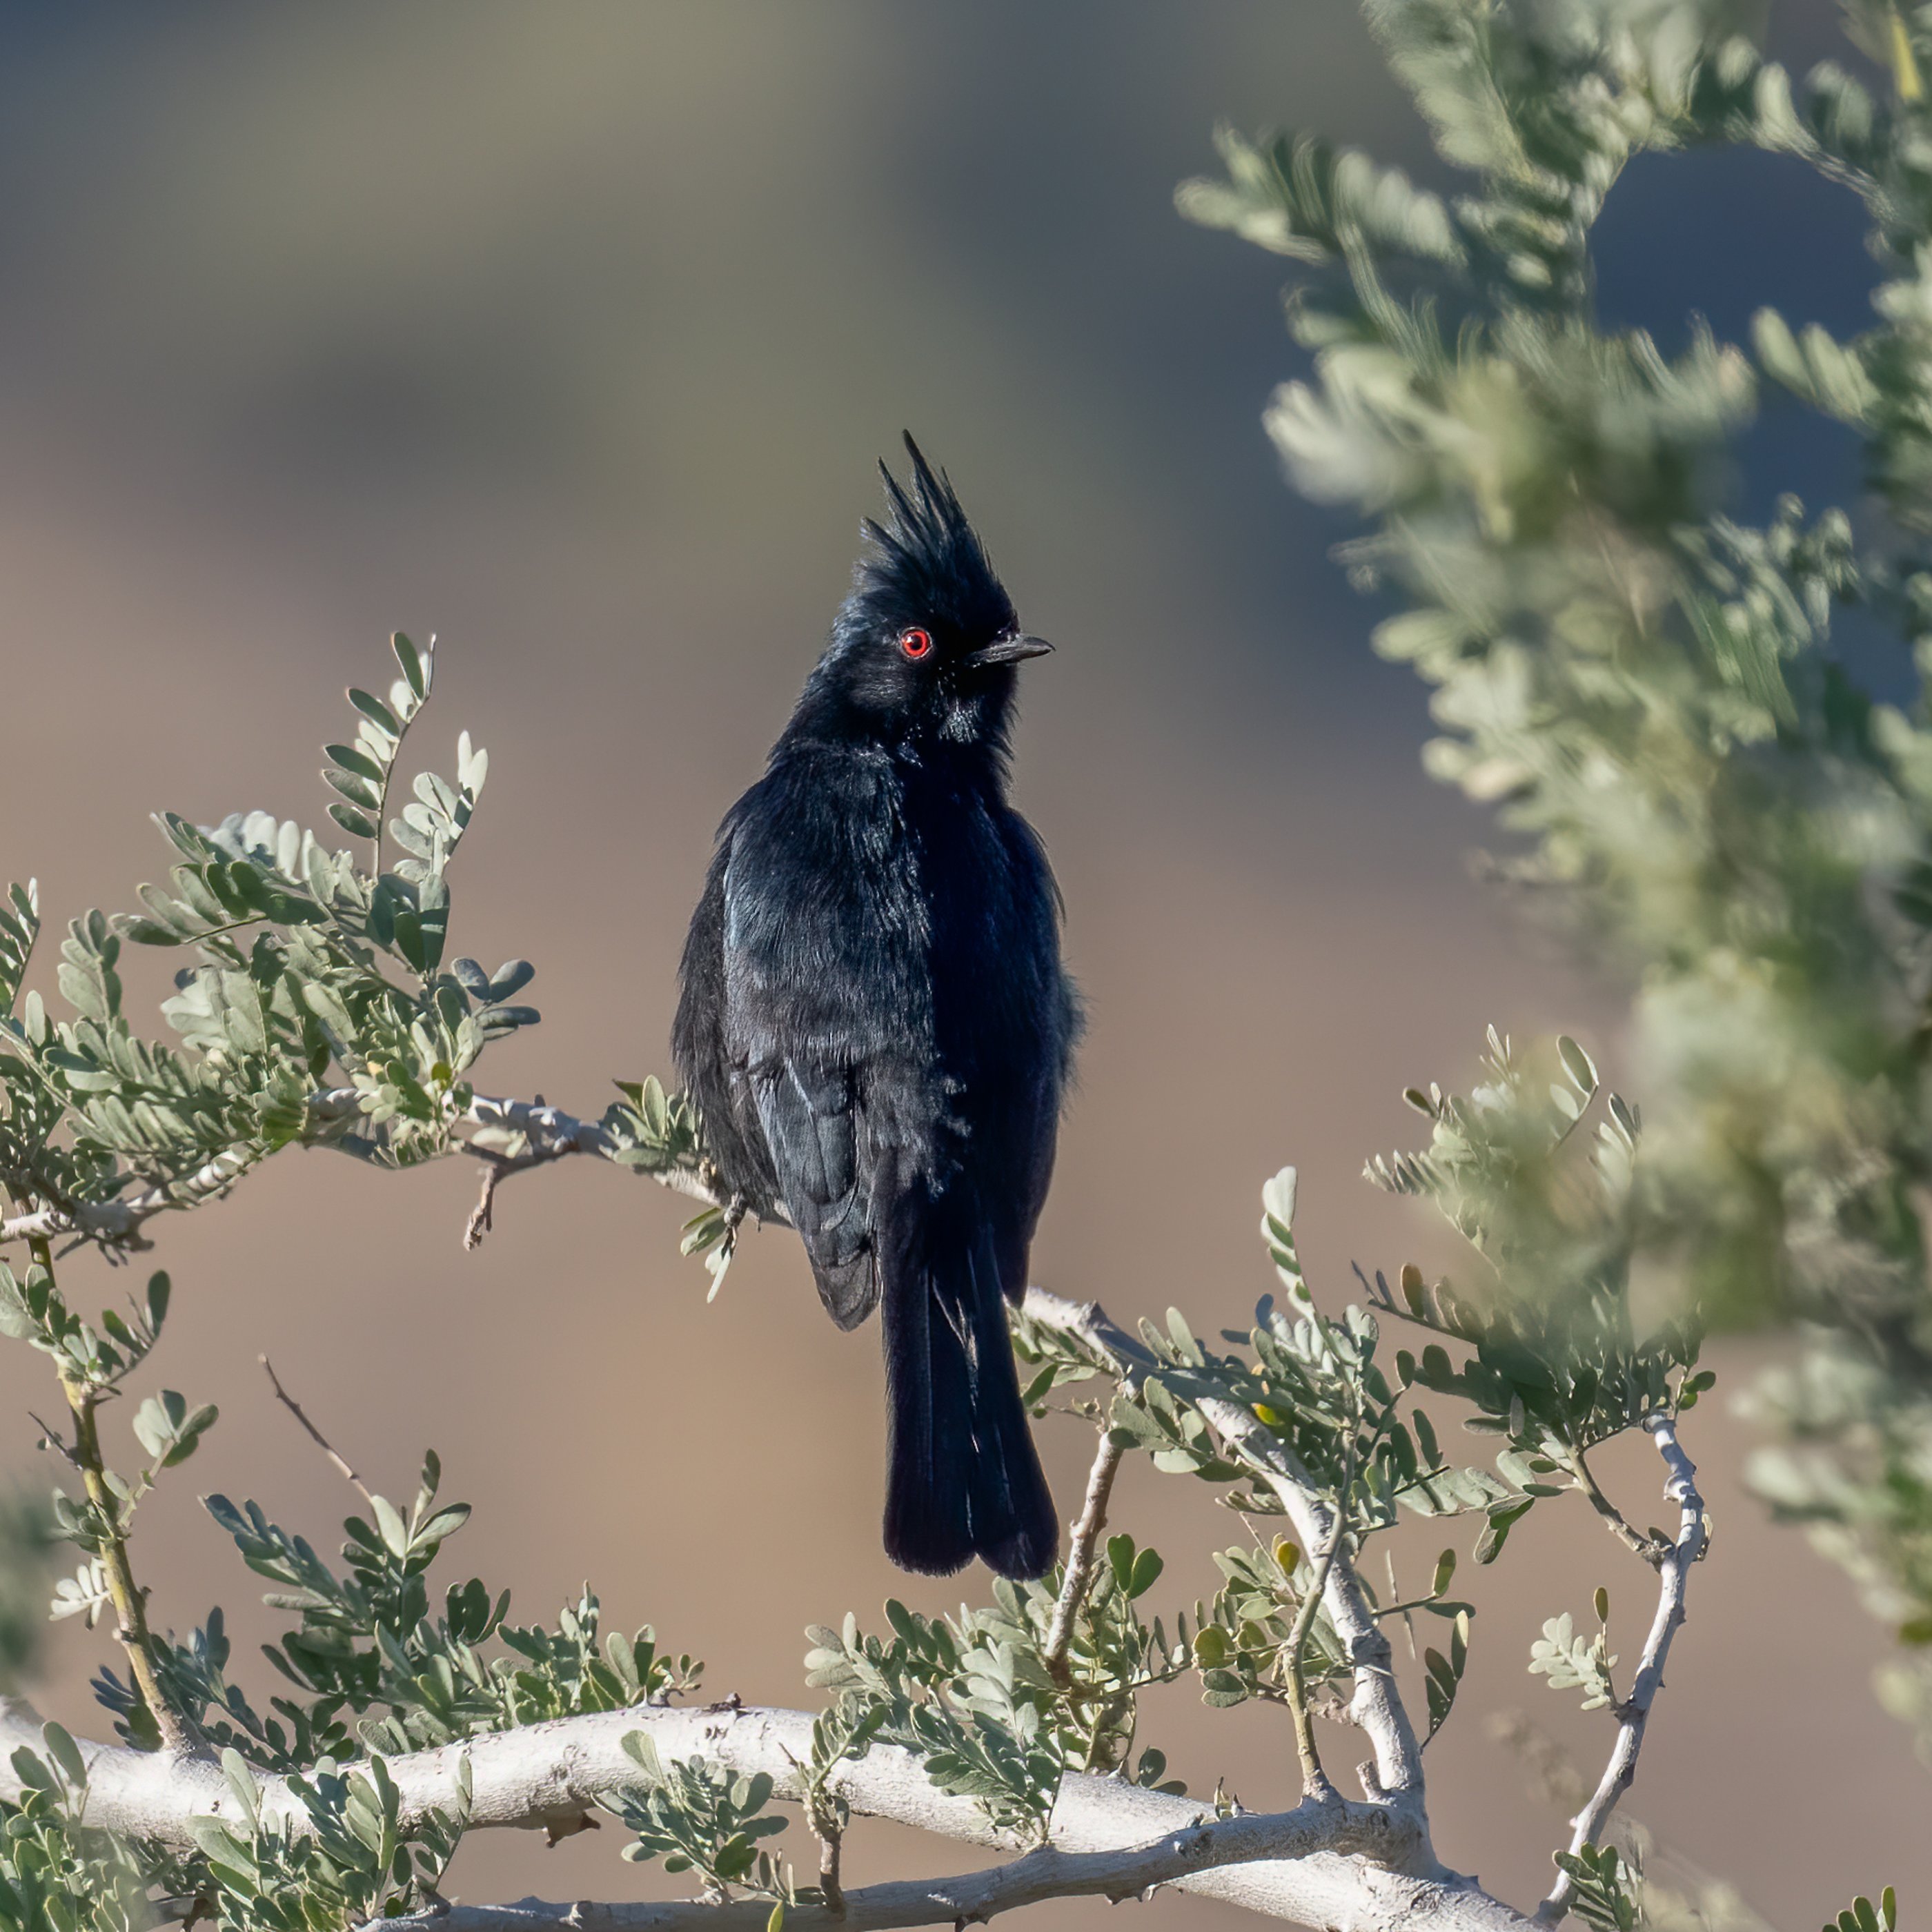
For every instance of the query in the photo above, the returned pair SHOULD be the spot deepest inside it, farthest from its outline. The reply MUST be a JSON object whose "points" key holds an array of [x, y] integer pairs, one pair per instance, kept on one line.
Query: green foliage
{"points": [[1862, 1915], [1608, 1895], [56, 1875], [699, 1817], [1647, 689], [351, 1861], [1574, 1662], [376, 1667], [973, 1697], [100, 1354], [318, 1008], [1242, 1645]]}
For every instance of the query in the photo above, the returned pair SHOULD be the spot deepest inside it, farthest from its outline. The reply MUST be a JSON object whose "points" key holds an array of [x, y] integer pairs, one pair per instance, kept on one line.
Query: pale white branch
{"points": [[553, 1774], [119, 1221], [1673, 1570], [1048, 1871], [1375, 1706]]}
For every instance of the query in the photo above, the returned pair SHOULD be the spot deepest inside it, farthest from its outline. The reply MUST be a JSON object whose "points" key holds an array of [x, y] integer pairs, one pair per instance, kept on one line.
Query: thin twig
{"points": [[550, 1134], [52, 1438], [1078, 1578], [1315, 1782], [497, 1168], [316, 1436], [1633, 1539], [1673, 1567], [130, 1600]]}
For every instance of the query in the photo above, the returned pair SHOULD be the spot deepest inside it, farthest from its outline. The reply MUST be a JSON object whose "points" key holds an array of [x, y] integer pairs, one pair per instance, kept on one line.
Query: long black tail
{"points": [[965, 1479]]}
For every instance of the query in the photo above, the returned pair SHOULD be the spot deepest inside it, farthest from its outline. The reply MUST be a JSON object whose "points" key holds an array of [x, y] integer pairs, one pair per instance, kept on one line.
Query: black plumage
{"points": [[876, 1027]]}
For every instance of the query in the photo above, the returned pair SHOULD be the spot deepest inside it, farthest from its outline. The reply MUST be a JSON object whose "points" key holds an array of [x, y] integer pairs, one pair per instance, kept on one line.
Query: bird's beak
{"points": [[1010, 650]]}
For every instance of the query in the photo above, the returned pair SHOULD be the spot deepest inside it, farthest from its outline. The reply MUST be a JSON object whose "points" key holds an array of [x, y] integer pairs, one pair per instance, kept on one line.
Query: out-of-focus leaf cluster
{"points": [[1556, 1363], [1661, 698]]}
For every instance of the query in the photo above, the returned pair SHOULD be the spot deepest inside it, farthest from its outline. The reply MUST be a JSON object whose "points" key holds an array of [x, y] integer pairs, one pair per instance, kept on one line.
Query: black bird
{"points": [[874, 1023]]}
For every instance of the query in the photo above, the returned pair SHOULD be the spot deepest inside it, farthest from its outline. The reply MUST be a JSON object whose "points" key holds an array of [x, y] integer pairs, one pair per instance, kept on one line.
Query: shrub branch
{"points": [[1673, 1567]]}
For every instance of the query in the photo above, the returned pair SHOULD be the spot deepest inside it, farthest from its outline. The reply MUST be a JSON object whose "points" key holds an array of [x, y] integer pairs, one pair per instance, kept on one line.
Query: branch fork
{"points": [[1673, 1562]]}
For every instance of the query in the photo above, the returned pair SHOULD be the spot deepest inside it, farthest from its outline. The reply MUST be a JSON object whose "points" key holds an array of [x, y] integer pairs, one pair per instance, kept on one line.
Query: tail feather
{"points": [[965, 1478]]}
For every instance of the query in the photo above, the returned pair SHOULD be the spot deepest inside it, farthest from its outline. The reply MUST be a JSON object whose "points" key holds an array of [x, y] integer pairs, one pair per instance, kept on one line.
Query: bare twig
{"points": [[316, 1436], [1633, 1539], [497, 1169], [1078, 1579], [1673, 1567]]}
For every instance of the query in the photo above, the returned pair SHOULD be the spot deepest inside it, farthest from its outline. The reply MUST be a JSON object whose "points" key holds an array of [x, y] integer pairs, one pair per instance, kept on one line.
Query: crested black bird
{"points": [[875, 1025]]}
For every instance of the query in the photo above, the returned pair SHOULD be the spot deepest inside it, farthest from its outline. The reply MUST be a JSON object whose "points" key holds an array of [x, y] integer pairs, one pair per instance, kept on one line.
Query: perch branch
{"points": [[549, 1134], [1673, 1568], [1364, 1866]]}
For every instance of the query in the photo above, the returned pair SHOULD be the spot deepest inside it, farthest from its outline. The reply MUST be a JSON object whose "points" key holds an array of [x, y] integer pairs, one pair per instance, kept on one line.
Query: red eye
{"points": [[915, 643]]}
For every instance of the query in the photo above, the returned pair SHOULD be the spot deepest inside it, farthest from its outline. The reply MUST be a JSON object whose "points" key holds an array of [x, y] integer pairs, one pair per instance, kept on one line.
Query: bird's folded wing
{"points": [[808, 1114]]}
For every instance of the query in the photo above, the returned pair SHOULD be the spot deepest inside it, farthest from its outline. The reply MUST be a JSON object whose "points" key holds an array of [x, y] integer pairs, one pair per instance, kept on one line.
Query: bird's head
{"points": [[926, 645]]}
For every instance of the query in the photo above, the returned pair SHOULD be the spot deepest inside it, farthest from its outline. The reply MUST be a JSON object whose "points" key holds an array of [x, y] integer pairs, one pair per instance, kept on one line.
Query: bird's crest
{"points": [[926, 561]]}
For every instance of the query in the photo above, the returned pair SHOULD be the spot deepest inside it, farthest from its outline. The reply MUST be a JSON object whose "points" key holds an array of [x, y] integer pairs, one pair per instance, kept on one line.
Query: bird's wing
{"points": [[810, 1119], [701, 1046], [828, 1004]]}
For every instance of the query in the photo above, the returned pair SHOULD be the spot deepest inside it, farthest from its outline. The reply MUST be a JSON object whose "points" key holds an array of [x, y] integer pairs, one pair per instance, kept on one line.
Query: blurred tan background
{"points": [[571, 333]]}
